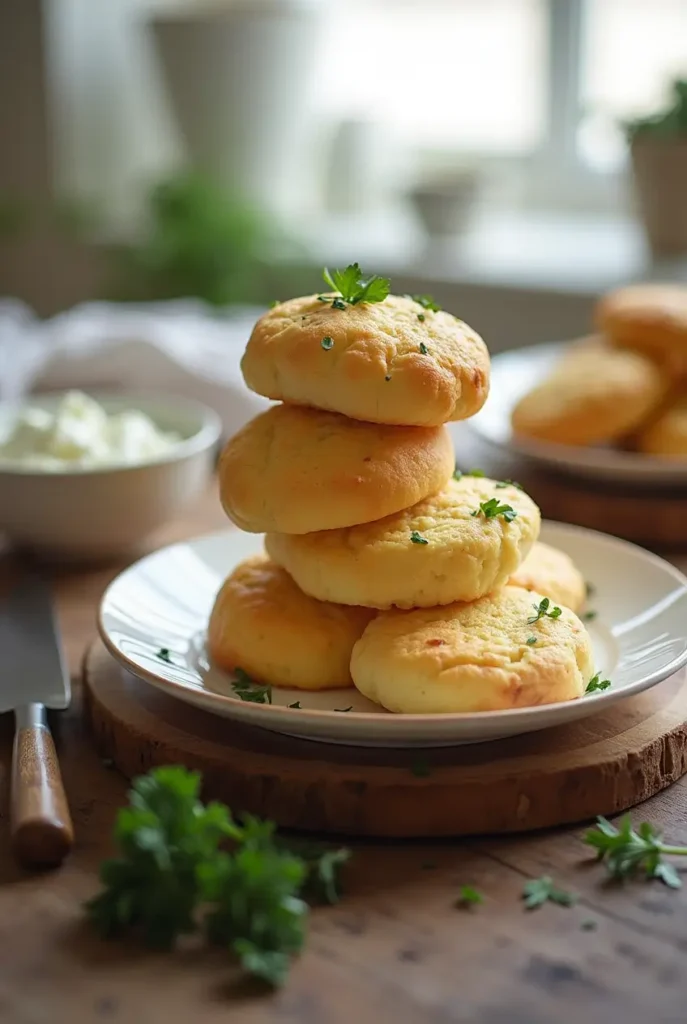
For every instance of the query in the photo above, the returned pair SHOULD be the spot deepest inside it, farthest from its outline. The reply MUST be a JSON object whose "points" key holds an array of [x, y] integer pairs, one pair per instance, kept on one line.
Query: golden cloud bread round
{"points": [[667, 434], [651, 318], [262, 623], [552, 573], [597, 395], [473, 657], [298, 470], [386, 362], [433, 553]]}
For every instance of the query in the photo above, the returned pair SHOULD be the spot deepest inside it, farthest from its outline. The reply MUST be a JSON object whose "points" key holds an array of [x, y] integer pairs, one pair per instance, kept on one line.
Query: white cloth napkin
{"points": [[179, 347]]}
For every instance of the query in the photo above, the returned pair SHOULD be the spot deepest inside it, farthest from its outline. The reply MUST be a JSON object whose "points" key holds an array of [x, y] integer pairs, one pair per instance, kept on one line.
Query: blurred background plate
{"points": [[515, 373]]}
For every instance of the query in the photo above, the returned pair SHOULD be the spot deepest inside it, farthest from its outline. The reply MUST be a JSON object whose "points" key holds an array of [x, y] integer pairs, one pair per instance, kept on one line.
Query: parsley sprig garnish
{"points": [[542, 890], [544, 611], [627, 852], [247, 689], [183, 866], [492, 508], [596, 684], [353, 287]]}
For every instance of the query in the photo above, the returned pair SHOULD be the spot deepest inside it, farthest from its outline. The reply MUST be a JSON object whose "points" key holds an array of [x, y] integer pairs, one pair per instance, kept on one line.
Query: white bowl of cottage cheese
{"points": [[91, 476]]}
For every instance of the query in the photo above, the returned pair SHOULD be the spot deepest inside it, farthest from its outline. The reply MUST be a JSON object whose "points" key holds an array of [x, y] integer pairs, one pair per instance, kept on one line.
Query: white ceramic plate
{"points": [[513, 374], [163, 601]]}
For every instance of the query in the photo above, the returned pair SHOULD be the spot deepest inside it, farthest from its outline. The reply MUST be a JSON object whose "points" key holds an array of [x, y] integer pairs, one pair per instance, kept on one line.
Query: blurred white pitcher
{"points": [[239, 76]]}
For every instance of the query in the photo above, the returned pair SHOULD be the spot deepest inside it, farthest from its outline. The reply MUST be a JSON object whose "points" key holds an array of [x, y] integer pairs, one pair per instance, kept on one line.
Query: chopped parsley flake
{"points": [[597, 684], [417, 538], [327, 343], [544, 611]]}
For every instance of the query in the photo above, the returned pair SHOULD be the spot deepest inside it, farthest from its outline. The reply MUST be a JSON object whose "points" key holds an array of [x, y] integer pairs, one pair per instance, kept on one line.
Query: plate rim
{"points": [[367, 717]]}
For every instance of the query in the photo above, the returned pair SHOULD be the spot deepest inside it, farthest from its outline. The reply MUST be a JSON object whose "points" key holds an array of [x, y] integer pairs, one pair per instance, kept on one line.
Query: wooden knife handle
{"points": [[42, 831]]}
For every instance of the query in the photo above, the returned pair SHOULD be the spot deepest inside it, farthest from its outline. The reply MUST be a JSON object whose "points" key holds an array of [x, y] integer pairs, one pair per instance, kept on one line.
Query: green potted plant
{"points": [[658, 147], [196, 242]]}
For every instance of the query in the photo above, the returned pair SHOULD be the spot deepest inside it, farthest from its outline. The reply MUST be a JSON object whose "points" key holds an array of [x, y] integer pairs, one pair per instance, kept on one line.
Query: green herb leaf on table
{"points": [[354, 288], [539, 891], [417, 538], [247, 689], [544, 611], [492, 508], [627, 853], [597, 684], [469, 897], [589, 616], [164, 655], [327, 343]]}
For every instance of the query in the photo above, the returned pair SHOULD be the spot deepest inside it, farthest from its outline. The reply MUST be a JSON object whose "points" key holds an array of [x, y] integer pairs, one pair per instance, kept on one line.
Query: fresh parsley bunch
{"points": [[182, 864], [167, 838]]}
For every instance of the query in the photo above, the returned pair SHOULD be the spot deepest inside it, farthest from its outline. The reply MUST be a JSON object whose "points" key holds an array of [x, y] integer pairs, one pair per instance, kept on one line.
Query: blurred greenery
{"points": [[197, 242], [669, 123]]}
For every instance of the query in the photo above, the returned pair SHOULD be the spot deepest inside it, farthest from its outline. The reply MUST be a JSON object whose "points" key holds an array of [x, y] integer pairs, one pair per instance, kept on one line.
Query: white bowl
{"points": [[93, 514]]}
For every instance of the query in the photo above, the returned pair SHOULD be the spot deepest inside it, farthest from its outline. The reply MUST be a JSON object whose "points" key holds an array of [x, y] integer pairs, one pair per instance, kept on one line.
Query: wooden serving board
{"points": [[602, 765]]}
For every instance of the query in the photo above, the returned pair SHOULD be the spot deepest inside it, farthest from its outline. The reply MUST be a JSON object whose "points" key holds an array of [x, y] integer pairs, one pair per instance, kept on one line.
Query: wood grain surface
{"points": [[601, 765], [395, 949]]}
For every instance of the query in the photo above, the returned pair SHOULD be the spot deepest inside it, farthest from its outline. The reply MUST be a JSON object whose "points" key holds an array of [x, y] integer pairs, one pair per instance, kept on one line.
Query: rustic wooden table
{"points": [[395, 949]]}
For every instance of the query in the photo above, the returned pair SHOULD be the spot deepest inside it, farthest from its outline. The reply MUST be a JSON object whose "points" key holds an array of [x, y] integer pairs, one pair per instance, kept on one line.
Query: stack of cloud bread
{"points": [[385, 568], [624, 386]]}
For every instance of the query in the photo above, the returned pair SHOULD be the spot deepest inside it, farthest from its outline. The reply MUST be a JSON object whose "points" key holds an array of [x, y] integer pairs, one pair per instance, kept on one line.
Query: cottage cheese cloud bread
{"points": [[598, 394], [382, 362], [667, 434], [473, 657], [651, 318], [552, 573], [298, 470], [261, 622], [456, 545]]}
